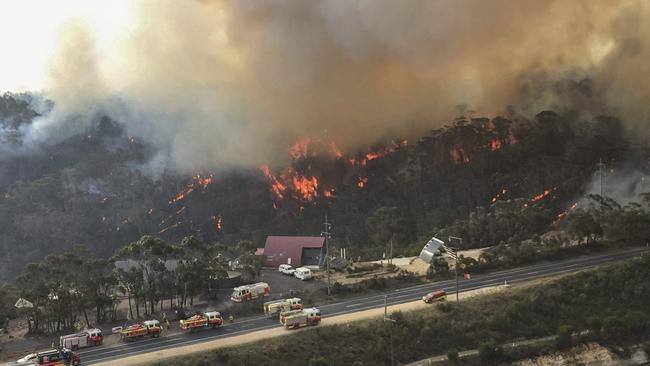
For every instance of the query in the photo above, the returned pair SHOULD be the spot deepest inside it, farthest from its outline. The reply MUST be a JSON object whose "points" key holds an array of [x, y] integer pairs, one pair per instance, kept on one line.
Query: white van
{"points": [[286, 269], [303, 273]]}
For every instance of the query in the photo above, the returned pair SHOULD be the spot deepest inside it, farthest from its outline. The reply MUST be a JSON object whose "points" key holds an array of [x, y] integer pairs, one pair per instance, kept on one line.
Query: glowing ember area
{"points": [[563, 214], [372, 155], [276, 186], [495, 144], [204, 181], [458, 155], [540, 196], [362, 182], [306, 187], [299, 149], [336, 151], [329, 193], [169, 227], [216, 219], [499, 195], [182, 194], [197, 181]]}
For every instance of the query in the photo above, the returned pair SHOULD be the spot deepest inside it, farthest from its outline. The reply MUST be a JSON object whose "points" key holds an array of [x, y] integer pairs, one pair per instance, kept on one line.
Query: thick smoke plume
{"points": [[218, 84]]}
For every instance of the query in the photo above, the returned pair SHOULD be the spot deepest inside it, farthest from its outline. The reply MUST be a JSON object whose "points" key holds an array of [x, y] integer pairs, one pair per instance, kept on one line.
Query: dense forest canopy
{"points": [[505, 177]]}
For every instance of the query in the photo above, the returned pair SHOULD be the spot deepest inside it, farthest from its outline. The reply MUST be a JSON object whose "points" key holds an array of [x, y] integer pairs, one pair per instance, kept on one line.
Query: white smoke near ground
{"points": [[623, 184], [216, 84]]}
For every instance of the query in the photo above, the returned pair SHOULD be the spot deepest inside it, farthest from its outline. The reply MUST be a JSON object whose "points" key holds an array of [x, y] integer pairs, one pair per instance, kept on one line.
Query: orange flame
{"points": [[563, 214], [276, 186], [541, 196], [204, 181], [306, 187], [197, 181]]}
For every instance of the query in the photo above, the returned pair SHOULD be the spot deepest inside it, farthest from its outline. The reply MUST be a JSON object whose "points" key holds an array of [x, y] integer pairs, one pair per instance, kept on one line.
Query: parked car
{"points": [[303, 273], [434, 296], [286, 269]]}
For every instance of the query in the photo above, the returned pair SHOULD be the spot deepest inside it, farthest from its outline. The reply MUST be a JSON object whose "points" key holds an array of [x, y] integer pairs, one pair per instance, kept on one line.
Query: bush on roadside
{"points": [[490, 352], [564, 337], [452, 356]]}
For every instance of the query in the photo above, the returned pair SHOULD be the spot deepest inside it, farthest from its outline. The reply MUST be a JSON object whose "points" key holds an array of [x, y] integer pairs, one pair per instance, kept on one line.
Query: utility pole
{"points": [[454, 254], [327, 235], [386, 318], [600, 174]]}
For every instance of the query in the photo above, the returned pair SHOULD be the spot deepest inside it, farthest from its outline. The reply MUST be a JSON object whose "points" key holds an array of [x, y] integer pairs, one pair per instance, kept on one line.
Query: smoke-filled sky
{"points": [[215, 83]]}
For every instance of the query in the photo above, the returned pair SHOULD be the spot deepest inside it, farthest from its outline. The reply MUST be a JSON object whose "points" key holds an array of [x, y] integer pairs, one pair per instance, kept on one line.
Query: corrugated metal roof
{"points": [[430, 249], [278, 249]]}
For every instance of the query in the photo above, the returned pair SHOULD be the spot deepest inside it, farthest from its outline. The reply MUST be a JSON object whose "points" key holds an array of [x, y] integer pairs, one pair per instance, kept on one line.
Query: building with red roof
{"points": [[294, 250]]}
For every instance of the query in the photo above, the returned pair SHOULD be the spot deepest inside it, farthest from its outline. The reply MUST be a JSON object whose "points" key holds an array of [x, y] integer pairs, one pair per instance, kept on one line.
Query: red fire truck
{"points": [[206, 320], [300, 318], [90, 337], [250, 292], [57, 358], [147, 327]]}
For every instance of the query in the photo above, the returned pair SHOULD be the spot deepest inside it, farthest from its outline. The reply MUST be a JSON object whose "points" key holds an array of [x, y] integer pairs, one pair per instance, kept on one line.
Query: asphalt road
{"points": [[107, 353]]}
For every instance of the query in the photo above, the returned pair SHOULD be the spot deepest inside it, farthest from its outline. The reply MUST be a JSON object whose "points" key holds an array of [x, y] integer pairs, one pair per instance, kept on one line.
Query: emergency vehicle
{"points": [[148, 327], [299, 318], [274, 308], [206, 320], [57, 358], [250, 292], [90, 337]]}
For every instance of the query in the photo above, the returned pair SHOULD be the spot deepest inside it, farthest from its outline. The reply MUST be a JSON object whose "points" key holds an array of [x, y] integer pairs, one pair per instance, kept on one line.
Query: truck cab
{"points": [[152, 324], [55, 358], [214, 318]]}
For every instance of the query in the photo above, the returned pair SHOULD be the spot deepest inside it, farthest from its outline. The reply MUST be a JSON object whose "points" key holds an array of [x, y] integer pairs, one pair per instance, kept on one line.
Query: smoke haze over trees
{"points": [[217, 84]]}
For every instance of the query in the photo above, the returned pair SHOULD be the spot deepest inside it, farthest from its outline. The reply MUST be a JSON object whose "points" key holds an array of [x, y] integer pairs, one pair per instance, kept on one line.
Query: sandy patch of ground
{"points": [[591, 354], [276, 332]]}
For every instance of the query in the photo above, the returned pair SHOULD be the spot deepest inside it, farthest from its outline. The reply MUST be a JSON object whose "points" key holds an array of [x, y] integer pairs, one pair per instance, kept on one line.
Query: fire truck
{"points": [[250, 292], [300, 318], [206, 320], [148, 327], [90, 337], [274, 308], [57, 358]]}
